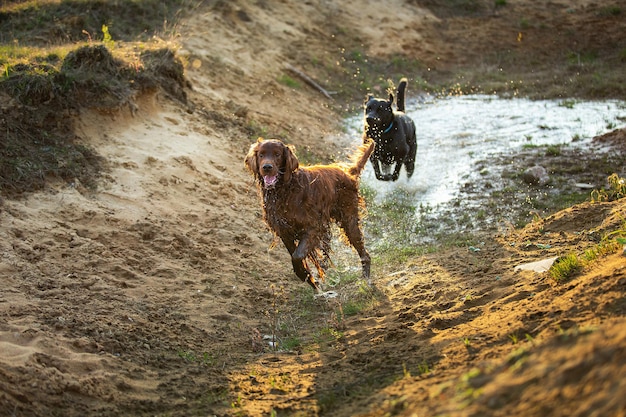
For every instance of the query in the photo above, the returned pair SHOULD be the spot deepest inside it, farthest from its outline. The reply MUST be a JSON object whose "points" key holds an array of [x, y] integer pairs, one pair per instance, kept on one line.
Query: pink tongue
{"points": [[269, 180]]}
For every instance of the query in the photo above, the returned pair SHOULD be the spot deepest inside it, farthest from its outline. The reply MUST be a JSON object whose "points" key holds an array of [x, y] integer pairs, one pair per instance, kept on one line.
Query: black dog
{"points": [[394, 134]]}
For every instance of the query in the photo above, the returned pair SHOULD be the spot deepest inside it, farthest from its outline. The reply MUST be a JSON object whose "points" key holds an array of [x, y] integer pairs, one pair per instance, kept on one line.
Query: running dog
{"points": [[300, 203], [394, 135]]}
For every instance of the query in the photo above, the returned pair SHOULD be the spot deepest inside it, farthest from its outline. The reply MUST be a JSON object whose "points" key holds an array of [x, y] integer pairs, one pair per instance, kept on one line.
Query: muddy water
{"points": [[455, 132]]}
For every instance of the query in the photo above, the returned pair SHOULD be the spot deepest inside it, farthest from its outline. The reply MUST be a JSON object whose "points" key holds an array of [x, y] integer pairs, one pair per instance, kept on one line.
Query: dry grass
{"points": [[56, 60]]}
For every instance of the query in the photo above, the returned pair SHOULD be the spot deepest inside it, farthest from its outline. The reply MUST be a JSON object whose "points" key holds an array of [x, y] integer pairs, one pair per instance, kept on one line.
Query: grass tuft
{"points": [[40, 143], [616, 190], [53, 64], [565, 267]]}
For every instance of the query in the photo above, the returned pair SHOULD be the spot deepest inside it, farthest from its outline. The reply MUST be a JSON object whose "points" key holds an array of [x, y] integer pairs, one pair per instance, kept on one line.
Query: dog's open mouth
{"points": [[270, 180]]}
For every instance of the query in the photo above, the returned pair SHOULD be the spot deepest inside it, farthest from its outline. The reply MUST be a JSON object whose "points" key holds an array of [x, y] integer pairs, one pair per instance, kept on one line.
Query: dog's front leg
{"points": [[299, 267], [379, 175], [396, 172], [306, 245], [303, 248]]}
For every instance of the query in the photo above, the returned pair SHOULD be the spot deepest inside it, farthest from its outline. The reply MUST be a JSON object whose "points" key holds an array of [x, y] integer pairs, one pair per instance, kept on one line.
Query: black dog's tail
{"points": [[400, 98]]}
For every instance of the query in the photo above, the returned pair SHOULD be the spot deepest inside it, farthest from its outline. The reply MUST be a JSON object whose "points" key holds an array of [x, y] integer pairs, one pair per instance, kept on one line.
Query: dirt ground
{"points": [[151, 296]]}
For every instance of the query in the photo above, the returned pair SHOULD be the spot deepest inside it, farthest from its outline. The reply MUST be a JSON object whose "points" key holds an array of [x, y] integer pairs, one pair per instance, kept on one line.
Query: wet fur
{"points": [[301, 205], [394, 134]]}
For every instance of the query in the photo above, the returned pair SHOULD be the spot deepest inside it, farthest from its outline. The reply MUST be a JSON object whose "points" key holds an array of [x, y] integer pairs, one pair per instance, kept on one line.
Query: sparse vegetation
{"points": [[565, 267], [612, 10], [616, 190], [467, 342], [569, 265], [154, 311], [553, 150], [51, 84], [205, 358], [288, 81]]}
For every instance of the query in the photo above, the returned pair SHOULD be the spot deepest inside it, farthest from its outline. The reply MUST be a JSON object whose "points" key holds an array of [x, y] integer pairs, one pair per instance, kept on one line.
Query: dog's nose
{"points": [[371, 119], [267, 167]]}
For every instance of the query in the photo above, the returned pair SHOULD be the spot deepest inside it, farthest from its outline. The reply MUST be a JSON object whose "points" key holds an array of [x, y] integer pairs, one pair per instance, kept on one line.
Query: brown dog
{"points": [[299, 204]]}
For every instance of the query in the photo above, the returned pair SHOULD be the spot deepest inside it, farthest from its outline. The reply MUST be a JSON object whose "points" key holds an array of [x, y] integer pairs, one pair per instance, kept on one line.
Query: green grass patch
{"points": [[328, 335], [565, 268], [204, 358], [288, 81], [352, 308], [602, 249], [612, 10], [568, 103], [553, 150], [571, 264], [291, 342], [391, 217]]}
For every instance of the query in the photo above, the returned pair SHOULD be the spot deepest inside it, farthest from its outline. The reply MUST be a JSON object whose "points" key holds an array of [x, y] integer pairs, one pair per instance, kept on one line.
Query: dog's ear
{"points": [[251, 161], [368, 98], [390, 99], [291, 162]]}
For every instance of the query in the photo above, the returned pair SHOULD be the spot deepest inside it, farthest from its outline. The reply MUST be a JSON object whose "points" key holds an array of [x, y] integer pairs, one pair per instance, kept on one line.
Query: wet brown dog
{"points": [[300, 203]]}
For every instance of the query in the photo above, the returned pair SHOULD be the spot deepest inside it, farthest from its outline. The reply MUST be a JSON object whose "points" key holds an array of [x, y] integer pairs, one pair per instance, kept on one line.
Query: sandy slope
{"points": [[148, 296]]}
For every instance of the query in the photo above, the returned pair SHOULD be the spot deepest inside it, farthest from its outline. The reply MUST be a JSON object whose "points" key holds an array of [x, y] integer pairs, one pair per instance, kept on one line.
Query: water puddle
{"points": [[454, 133]]}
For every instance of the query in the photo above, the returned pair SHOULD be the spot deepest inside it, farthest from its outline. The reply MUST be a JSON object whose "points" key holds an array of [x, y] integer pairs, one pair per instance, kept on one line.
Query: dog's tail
{"points": [[400, 95], [361, 157]]}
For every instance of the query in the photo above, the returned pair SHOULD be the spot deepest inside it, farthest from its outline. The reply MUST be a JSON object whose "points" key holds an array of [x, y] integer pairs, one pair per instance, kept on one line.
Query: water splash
{"points": [[454, 132]]}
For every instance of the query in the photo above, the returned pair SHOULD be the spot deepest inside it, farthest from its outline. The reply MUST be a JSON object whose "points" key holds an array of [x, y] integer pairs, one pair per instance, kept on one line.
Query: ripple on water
{"points": [[455, 132]]}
